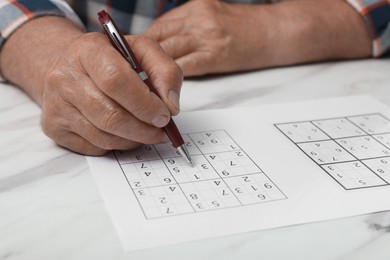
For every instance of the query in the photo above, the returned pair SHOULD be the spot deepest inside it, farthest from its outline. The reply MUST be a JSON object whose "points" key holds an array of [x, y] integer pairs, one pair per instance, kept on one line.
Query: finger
{"points": [[93, 140], [97, 137], [195, 64], [57, 129], [180, 12], [177, 13], [78, 144], [192, 7], [115, 78], [161, 29], [178, 46], [103, 122], [164, 73]]}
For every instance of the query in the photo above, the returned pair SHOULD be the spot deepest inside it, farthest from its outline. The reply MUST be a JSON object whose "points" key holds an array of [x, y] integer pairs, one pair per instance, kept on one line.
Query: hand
{"points": [[209, 36], [92, 100]]}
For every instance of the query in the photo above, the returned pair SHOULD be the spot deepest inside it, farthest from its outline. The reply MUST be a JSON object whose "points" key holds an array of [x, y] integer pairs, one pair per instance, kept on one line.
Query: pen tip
{"points": [[184, 152]]}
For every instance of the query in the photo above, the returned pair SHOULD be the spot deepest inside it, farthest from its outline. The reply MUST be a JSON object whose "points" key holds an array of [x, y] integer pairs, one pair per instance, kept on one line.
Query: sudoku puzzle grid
{"points": [[223, 176], [353, 150]]}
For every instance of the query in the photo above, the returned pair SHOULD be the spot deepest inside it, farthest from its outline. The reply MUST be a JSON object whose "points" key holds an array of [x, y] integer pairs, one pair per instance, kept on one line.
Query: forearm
{"points": [[32, 49], [301, 31]]}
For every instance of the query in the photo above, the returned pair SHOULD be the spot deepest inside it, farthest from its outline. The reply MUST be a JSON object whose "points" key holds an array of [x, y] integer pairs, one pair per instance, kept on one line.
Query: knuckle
{"points": [[111, 119], [55, 77], [57, 133], [47, 128], [173, 69], [112, 76], [50, 127], [197, 63], [213, 29], [88, 42], [216, 32], [141, 40], [91, 36]]}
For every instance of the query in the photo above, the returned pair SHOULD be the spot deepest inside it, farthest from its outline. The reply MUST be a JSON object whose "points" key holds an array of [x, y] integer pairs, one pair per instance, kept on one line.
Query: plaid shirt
{"points": [[135, 16]]}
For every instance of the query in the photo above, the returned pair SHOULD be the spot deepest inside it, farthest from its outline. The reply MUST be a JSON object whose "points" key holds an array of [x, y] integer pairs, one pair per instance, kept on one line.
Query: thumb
{"points": [[164, 74]]}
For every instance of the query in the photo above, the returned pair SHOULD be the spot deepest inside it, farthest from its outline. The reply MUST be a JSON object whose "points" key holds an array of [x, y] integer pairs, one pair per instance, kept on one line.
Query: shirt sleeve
{"points": [[15, 13], [376, 14]]}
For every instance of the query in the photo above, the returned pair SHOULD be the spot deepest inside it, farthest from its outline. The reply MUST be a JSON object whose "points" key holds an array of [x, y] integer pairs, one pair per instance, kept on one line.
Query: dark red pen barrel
{"points": [[173, 134]]}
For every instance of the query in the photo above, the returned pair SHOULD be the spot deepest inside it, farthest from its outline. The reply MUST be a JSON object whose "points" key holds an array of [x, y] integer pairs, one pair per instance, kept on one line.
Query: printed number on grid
{"points": [[223, 176], [353, 150]]}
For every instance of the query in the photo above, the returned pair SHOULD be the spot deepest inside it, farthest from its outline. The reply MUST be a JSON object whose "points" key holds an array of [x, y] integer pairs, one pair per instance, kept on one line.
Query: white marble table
{"points": [[50, 207]]}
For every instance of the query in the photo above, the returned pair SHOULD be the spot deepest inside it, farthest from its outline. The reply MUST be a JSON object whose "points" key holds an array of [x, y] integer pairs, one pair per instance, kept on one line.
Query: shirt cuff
{"points": [[376, 14], [15, 13]]}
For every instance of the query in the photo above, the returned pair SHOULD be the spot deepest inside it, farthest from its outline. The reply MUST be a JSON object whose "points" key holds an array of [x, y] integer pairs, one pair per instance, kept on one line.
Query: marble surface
{"points": [[50, 207]]}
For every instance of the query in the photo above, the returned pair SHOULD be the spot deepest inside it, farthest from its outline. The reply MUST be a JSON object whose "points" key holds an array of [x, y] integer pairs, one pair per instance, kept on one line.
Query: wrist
{"points": [[32, 49], [254, 25], [311, 31]]}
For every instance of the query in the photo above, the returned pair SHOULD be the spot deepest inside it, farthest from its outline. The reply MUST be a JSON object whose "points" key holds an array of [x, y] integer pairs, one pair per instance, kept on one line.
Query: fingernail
{"points": [[173, 97], [160, 121]]}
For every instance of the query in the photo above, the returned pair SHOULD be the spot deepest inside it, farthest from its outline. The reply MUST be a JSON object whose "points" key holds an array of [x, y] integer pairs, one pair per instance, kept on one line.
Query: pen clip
{"points": [[118, 41]]}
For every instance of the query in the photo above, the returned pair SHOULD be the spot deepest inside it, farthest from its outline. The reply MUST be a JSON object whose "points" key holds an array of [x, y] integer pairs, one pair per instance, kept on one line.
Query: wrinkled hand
{"points": [[209, 36], [93, 101]]}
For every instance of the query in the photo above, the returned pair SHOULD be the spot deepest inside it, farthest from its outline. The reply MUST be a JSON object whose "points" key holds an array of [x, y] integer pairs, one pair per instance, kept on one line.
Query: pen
{"points": [[120, 44]]}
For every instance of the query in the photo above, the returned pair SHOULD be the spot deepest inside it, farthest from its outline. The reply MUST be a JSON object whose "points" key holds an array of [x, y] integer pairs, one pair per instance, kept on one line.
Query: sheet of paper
{"points": [[254, 168]]}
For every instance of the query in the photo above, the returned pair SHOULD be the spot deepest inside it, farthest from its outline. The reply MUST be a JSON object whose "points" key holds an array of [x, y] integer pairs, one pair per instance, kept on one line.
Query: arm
{"points": [[91, 99], [38, 43], [376, 14], [215, 37]]}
